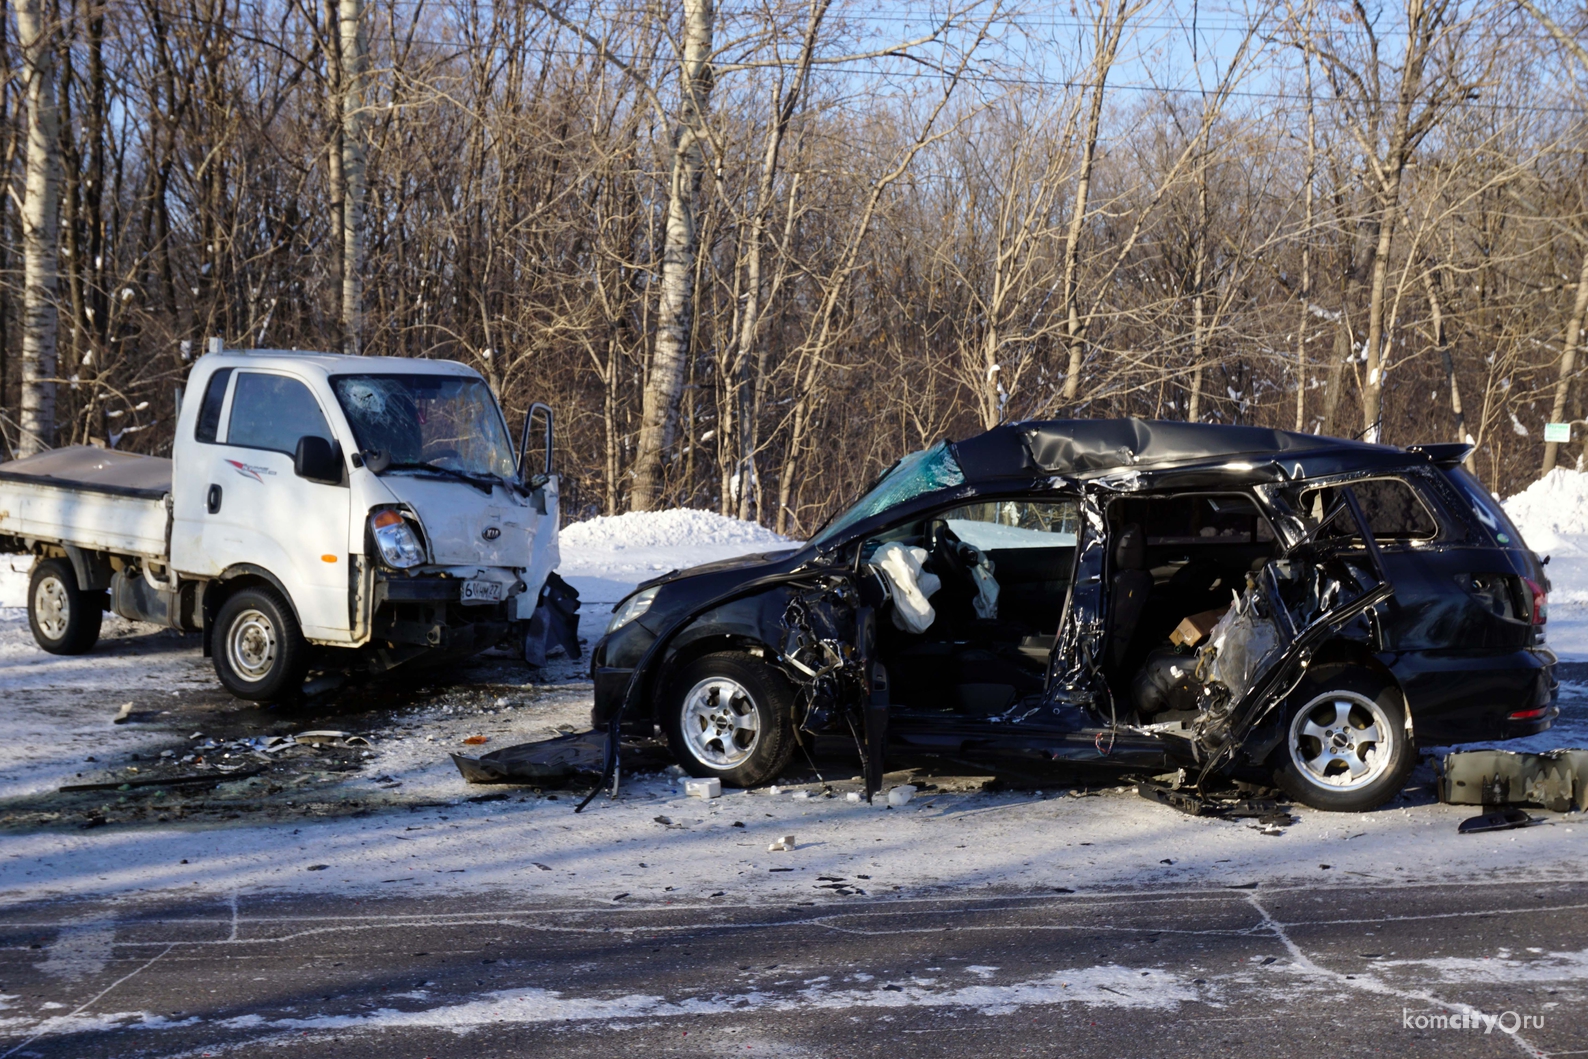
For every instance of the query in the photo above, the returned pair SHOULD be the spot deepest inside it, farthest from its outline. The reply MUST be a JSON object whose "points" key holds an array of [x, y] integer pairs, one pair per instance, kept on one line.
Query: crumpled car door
{"points": [[1324, 580], [1074, 667]]}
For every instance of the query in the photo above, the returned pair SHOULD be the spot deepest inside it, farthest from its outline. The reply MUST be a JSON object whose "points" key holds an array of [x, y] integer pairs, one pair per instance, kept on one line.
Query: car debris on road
{"points": [[1556, 780]]}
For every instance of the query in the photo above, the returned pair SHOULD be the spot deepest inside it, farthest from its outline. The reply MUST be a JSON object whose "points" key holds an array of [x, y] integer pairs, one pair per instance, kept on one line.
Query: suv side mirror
{"points": [[318, 460]]}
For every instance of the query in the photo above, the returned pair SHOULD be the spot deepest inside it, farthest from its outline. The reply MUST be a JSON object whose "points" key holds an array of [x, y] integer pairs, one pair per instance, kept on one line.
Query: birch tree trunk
{"points": [[350, 21], [1436, 314], [40, 226], [664, 385], [1568, 360], [1109, 30], [1306, 241]]}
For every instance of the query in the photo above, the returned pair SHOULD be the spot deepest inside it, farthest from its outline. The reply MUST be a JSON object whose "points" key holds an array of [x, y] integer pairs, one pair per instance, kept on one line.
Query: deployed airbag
{"points": [[909, 585]]}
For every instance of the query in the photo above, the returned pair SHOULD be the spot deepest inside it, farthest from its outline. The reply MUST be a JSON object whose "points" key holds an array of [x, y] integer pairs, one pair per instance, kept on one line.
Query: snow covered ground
{"points": [[652, 842]]}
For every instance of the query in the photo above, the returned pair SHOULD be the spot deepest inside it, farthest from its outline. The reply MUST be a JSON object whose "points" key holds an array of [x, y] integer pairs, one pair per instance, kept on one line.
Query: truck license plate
{"points": [[482, 591]]}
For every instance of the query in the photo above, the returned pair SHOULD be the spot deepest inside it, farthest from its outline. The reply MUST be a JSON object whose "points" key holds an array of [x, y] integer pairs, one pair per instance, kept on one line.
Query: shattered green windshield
{"points": [[917, 474]]}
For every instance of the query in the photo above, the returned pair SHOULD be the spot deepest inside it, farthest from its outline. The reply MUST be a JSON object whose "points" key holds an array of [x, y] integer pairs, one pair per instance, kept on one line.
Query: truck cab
{"points": [[325, 501]]}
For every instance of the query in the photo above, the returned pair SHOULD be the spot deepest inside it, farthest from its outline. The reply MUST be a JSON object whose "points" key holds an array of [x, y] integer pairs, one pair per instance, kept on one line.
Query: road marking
{"points": [[1367, 983], [93, 1000]]}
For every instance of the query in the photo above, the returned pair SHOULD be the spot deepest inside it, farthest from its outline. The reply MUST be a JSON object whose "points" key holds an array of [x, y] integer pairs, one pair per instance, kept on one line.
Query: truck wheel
{"points": [[258, 650], [1347, 748], [728, 715], [65, 620]]}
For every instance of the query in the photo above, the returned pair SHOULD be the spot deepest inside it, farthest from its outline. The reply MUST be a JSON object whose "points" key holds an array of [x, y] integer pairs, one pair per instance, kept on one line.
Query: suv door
{"points": [[258, 512], [1325, 580]]}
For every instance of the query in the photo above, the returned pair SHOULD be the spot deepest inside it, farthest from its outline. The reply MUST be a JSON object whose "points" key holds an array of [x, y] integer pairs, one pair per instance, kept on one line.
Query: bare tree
{"points": [[38, 40], [350, 25], [670, 359]]}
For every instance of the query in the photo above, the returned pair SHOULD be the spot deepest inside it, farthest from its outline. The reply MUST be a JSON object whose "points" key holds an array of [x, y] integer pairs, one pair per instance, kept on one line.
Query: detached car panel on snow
{"points": [[1123, 595]]}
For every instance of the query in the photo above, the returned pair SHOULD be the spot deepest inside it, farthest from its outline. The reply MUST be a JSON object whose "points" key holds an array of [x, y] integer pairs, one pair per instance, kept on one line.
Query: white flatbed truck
{"points": [[312, 501]]}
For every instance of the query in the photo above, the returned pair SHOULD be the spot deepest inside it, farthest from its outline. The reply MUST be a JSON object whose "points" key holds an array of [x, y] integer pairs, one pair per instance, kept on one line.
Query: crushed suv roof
{"points": [[1079, 446]]}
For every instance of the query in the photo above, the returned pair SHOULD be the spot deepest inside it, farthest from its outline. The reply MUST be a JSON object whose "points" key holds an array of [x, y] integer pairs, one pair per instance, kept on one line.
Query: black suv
{"points": [[1121, 595]]}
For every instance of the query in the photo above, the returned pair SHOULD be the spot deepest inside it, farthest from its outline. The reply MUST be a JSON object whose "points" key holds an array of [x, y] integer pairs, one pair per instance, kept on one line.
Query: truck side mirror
{"points": [[525, 474], [318, 460]]}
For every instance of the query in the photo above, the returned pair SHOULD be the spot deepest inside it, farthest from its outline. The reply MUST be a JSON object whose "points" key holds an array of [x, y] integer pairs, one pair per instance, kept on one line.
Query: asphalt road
{"points": [[1316, 970]]}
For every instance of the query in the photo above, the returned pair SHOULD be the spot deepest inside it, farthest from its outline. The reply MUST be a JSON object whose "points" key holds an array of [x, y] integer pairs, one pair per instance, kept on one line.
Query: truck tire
{"points": [[259, 652], [1347, 747], [728, 715], [65, 620]]}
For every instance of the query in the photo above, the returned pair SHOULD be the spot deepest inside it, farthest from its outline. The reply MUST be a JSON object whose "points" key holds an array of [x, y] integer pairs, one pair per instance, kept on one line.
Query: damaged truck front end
{"points": [[1109, 598]]}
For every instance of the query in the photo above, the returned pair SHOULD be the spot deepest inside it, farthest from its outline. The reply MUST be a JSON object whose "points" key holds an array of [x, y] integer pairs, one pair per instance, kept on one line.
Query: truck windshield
{"points": [[915, 475], [449, 422]]}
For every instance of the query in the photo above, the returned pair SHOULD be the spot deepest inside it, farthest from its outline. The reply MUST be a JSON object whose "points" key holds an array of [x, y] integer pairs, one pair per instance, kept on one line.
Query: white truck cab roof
{"points": [[327, 364]]}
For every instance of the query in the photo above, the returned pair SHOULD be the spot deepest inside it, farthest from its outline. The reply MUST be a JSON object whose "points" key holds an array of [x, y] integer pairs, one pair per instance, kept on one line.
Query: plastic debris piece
{"points": [[544, 763], [477, 740], [317, 737], [782, 845], [900, 796], [852, 796], [801, 796], [1499, 820], [1557, 780], [707, 788], [122, 714]]}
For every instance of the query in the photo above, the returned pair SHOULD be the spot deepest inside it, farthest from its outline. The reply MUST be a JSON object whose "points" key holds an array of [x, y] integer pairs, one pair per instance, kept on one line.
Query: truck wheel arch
{"points": [[231, 580]]}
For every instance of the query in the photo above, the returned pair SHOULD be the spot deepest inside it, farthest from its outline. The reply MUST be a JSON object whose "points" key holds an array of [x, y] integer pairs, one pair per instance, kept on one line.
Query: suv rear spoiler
{"points": [[1444, 454]]}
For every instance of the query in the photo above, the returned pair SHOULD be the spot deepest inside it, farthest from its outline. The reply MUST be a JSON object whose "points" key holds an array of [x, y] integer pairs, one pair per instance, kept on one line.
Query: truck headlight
{"points": [[398, 543], [631, 608]]}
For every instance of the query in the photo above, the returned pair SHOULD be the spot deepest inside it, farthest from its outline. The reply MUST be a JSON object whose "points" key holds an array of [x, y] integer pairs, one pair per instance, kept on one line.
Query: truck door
{"points": [[256, 511]]}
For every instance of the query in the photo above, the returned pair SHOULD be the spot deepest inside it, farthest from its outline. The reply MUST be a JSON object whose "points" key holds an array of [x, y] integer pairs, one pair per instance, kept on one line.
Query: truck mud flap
{"points": [[555, 622], [1556, 780]]}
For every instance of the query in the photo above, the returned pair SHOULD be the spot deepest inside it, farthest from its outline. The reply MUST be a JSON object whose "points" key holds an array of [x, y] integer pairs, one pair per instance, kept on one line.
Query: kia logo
{"points": [[491, 533]]}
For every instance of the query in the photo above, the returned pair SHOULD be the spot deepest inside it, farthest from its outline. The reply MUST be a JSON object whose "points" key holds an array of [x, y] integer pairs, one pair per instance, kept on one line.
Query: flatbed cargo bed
{"points": [[95, 499]]}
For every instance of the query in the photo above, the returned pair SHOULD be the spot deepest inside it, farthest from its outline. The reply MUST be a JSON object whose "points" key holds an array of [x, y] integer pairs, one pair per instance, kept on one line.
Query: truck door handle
{"points": [[212, 502]]}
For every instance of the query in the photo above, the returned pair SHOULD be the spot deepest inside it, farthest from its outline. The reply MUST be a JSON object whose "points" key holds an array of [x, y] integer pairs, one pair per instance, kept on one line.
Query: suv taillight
{"points": [[1540, 612]]}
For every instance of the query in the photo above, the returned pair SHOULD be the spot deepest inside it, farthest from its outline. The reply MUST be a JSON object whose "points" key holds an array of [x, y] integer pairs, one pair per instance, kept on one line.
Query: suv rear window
{"points": [[1394, 509], [1485, 508]]}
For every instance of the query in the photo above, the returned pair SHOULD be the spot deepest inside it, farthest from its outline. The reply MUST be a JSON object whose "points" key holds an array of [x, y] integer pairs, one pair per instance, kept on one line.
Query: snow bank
{"points": [[676, 528], [1552, 514], [606, 557]]}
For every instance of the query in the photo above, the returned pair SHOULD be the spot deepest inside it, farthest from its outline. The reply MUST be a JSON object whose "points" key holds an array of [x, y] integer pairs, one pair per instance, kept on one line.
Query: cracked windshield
{"points": [[448, 422]]}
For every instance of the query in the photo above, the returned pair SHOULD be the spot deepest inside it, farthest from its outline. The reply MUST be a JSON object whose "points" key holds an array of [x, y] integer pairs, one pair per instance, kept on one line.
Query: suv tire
{"points": [[1347, 747], [65, 620], [258, 649], [728, 715]]}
